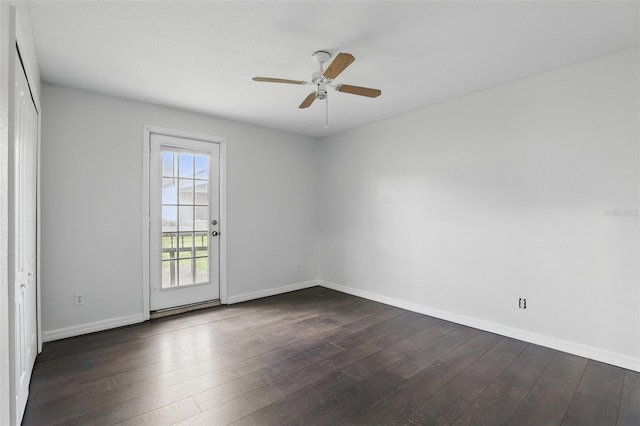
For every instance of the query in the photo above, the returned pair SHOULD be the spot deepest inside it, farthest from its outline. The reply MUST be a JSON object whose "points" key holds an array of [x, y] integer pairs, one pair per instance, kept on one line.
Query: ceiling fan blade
{"points": [[342, 61], [277, 80], [308, 100], [357, 90]]}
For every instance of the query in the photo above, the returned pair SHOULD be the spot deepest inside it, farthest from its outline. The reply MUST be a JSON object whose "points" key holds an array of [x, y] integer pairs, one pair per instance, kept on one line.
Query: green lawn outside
{"points": [[185, 242]]}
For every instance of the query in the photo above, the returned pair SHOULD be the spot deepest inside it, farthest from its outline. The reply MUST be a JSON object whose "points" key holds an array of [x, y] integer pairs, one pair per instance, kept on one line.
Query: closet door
{"points": [[25, 169]]}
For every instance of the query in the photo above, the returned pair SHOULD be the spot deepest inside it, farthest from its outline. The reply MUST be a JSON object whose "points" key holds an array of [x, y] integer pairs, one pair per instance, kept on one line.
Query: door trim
{"points": [[148, 130], [36, 103], [7, 127]]}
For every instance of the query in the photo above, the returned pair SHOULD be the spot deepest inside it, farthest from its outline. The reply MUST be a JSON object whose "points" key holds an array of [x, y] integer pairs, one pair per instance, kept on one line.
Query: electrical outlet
{"points": [[78, 299], [298, 267], [522, 303]]}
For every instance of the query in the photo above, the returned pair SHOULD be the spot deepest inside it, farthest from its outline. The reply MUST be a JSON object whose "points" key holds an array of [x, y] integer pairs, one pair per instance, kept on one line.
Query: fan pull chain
{"points": [[326, 121]]}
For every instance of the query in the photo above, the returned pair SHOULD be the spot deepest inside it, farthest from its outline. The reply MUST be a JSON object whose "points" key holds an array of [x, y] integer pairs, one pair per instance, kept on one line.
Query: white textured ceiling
{"points": [[201, 56]]}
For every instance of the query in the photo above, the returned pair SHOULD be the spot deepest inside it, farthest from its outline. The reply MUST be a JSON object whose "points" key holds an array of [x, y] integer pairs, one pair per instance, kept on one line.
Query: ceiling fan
{"points": [[324, 78]]}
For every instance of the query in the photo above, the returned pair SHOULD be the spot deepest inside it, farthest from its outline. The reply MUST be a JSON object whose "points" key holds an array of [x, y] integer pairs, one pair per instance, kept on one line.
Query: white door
{"points": [[184, 256], [25, 239]]}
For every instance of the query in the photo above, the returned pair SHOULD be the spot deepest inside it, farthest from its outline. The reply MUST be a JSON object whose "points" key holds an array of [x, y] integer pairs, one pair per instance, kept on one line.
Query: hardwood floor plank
{"points": [[120, 385], [363, 323], [165, 416], [295, 363], [297, 404], [351, 401], [463, 331], [89, 342], [629, 414], [77, 405], [385, 329], [467, 353], [597, 399], [378, 361], [454, 398], [297, 347], [571, 357], [415, 326], [527, 368], [285, 386], [348, 356], [270, 372], [301, 402], [216, 395], [155, 398], [56, 369], [496, 404], [549, 398], [92, 384], [391, 313], [603, 381], [444, 327], [223, 414], [411, 365], [279, 373], [410, 395], [587, 410]]}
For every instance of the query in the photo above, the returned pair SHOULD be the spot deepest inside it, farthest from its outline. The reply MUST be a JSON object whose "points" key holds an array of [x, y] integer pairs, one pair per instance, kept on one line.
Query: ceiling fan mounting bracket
{"points": [[321, 56]]}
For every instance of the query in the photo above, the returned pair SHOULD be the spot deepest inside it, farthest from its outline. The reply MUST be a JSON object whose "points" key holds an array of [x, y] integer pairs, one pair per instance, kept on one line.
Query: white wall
{"points": [[526, 190], [92, 208]]}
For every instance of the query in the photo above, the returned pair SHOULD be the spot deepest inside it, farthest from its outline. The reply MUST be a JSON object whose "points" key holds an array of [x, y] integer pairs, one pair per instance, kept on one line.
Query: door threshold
{"points": [[184, 308]]}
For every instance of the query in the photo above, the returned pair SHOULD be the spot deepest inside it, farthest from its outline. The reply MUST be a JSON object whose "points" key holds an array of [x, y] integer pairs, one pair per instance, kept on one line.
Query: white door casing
{"points": [[185, 251]]}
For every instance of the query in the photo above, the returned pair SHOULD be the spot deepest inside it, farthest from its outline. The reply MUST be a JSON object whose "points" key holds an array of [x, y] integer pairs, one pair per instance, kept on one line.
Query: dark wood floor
{"points": [[319, 357]]}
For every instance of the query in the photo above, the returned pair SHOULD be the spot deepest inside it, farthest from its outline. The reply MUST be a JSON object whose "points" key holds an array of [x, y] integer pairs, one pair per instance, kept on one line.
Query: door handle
{"points": [[214, 233]]}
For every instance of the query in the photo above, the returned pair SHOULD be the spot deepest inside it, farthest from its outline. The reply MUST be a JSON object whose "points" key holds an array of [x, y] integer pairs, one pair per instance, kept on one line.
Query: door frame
{"points": [[148, 130], [7, 127]]}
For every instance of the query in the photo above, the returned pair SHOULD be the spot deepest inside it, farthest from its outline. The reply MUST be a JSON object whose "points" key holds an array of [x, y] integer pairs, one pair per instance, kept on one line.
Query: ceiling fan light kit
{"points": [[323, 78]]}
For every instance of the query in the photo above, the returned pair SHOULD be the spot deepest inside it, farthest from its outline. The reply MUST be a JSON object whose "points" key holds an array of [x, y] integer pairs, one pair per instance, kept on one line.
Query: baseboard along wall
{"points": [[574, 348], [91, 327]]}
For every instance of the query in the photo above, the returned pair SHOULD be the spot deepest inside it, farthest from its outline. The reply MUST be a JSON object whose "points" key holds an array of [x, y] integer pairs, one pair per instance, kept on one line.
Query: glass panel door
{"points": [[184, 202], [185, 218]]}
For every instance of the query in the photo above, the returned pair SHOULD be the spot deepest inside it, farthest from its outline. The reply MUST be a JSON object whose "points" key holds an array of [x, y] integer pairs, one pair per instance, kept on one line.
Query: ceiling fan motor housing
{"points": [[318, 77]]}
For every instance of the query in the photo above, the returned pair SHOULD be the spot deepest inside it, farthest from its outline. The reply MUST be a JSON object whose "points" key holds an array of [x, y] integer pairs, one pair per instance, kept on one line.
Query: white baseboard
{"points": [[586, 351], [77, 330], [271, 292]]}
